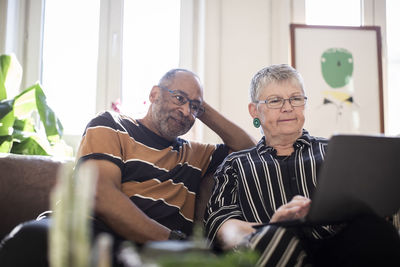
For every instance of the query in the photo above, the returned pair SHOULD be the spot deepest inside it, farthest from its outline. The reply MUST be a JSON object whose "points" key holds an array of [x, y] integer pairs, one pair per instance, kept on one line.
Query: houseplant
{"points": [[27, 124]]}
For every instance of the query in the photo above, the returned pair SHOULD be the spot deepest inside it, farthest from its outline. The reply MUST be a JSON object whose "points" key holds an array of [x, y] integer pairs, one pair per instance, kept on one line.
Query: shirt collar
{"points": [[304, 140], [164, 143]]}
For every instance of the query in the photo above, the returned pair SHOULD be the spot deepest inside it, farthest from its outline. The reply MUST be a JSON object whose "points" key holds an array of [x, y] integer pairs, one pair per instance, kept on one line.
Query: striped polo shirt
{"points": [[161, 177], [252, 184]]}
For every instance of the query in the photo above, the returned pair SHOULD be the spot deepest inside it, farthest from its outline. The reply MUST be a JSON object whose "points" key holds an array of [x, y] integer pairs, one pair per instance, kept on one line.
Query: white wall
{"points": [[245, 48], [239, 38], [3, 22]]}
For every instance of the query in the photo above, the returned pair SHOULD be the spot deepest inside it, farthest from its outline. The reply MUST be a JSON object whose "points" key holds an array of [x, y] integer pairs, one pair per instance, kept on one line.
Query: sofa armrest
{"points": [[25, 184]]}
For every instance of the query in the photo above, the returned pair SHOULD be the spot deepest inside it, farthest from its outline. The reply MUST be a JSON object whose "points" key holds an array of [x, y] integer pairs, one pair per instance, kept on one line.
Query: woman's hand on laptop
{"points": [[297, 208], [233, 232]]}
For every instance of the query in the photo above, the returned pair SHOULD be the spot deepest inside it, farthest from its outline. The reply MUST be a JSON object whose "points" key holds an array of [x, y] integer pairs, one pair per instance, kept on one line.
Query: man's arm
{"points": [[232, 135], [118, 211]]}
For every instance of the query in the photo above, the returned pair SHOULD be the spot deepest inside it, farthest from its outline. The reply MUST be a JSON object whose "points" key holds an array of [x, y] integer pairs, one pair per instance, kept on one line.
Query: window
{"points": [[333, 12], [74, 47], [150, 48], [70, 49], [393, 56]]}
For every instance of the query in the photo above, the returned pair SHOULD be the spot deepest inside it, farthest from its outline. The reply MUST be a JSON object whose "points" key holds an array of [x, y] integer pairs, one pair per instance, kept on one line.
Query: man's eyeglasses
{"points": [[178, 98], [278, 102]]}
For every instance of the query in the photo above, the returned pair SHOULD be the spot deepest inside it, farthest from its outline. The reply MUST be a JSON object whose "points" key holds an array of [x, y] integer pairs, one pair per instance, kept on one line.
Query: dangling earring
{"points": [[256, 122]]}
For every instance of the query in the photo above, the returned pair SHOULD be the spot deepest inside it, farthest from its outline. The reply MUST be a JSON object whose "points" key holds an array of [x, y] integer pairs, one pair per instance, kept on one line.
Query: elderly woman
{"points": [[273, 182]]}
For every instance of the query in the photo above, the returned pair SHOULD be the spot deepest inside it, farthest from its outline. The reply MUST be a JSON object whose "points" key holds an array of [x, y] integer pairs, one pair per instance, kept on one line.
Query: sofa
{"points": [[26, 182]]}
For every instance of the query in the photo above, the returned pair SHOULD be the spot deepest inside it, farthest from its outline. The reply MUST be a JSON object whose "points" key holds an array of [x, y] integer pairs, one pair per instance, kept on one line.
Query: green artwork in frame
{"points": [[337, 66], [342, 71], [337, 70]]}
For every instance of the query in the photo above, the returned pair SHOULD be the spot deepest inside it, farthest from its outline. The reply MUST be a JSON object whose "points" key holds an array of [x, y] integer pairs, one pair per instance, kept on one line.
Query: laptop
{"points": [[360, 174]]}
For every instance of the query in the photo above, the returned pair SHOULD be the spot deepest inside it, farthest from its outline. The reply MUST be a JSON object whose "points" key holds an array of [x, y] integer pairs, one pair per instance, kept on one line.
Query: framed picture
{"points": [[342, 72]]}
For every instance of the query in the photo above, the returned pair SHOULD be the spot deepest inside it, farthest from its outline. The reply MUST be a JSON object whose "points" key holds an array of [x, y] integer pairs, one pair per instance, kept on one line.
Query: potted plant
{"points": [[27, 124]]}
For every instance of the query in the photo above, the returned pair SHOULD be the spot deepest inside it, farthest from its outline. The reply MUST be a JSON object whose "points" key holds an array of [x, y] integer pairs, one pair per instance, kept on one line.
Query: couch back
{"points": [[25, 184]]}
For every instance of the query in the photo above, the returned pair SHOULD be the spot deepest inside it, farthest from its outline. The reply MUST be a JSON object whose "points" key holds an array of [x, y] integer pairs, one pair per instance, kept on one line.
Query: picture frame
{"points": [[342, 71]]}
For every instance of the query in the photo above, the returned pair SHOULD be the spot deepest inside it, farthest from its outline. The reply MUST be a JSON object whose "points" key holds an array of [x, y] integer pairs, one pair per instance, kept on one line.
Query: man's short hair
{"points": [[170, 76]]}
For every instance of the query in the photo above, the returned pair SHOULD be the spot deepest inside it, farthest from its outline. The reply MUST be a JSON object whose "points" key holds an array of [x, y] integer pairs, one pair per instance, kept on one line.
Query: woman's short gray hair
{"points": [[274, 74]]}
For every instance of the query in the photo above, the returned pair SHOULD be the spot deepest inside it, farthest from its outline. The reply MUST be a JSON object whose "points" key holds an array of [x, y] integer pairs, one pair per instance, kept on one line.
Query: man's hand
{"points": [[297, 208]]}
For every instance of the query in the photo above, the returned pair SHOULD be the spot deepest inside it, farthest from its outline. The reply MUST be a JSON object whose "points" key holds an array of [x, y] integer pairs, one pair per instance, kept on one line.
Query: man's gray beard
{"points": [[161, 117], [173, 133]]}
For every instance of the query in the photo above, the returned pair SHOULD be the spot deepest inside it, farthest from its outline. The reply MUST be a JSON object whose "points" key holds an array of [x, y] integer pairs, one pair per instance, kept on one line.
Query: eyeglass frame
{"points": [[290, 99], [186, 100]]}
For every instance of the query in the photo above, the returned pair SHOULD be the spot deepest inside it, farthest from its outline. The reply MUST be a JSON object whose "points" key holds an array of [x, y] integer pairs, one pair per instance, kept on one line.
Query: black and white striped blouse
{"points": [[252, 184]]}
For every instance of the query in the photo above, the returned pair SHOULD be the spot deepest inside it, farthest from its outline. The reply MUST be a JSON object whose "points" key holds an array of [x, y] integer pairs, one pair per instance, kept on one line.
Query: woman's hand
{"points": [[297, 208], [232, 232]]}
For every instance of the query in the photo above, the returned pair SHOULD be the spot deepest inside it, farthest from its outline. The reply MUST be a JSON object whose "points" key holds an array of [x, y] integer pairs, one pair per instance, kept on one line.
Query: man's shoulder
{"points": [[104, 118], [194, 144], [112, 120], [217, 151], [114, 116]]}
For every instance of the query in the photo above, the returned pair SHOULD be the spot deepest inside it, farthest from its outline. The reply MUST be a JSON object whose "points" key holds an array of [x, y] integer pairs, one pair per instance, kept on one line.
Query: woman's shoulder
{"points": [[306, 137], [238, 155]]}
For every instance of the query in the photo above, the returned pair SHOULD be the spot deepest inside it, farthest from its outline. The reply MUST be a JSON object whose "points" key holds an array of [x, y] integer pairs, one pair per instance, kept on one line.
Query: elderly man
{"points": [[148, 176]]}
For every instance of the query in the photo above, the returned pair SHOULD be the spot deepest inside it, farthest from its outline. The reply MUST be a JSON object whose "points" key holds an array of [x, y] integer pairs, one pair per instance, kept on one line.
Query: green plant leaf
{"points": [[27, 124], [25, 135], [52, 125], [199, 259], [6, 117], [5, 107], [5, 61], [10, 75], [6, 143], [23, 129], [33, 99], [25, 103], [30, 146]]}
